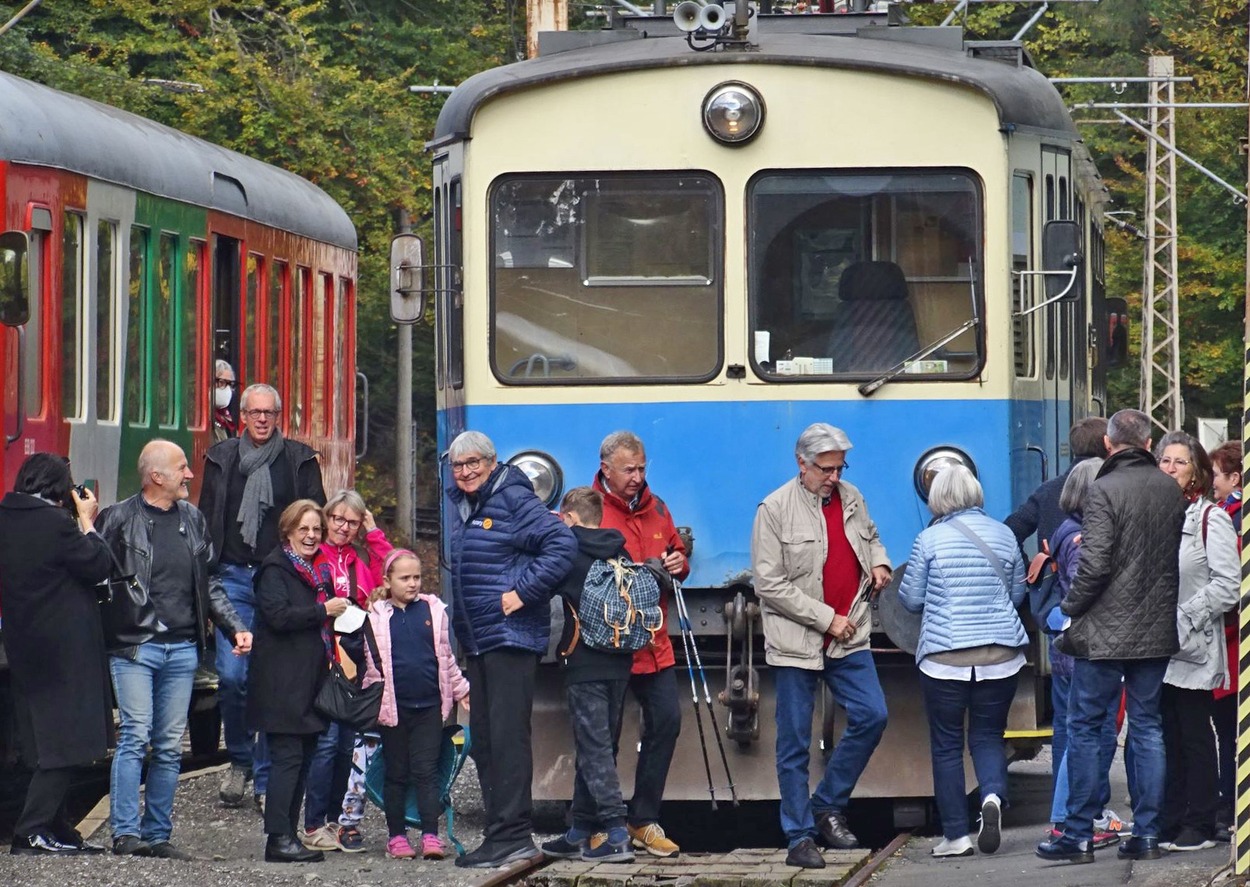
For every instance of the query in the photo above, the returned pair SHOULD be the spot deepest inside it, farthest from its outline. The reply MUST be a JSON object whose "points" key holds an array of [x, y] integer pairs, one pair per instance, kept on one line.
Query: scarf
{"points": [[318, 578], [225, 421], [258, 488]]}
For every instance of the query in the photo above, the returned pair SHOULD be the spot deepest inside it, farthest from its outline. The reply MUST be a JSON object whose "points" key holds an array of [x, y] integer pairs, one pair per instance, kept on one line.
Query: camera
{"points": [[81, 490]]}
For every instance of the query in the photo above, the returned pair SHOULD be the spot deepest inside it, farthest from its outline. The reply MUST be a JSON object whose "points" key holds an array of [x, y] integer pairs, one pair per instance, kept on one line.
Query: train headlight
{"points": [[544, 473], [928, 466], [733, 113]]}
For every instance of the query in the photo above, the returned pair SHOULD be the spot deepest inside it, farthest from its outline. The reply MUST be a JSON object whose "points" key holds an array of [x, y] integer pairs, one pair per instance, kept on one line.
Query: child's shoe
{"points": [[432, 847], [399, 848], [610, 846]]}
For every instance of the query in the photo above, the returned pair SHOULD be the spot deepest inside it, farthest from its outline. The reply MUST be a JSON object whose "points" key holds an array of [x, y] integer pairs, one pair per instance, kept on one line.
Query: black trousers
{"points": [[290, 755], [595, 712], [44, 810], [410, 750], [1191, 792], [661, 724], [1224, 713], [503, 702]]}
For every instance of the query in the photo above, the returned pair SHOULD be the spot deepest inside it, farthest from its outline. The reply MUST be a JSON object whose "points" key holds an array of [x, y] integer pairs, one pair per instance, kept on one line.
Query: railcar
{"points": [[818, 218], [132, 256]]}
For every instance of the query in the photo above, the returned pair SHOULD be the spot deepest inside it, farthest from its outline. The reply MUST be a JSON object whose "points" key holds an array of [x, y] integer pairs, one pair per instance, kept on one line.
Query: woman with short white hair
{"points": [[966, 577]]}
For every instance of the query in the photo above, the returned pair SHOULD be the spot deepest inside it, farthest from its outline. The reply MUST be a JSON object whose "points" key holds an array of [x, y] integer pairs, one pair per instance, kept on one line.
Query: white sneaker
{"points": [[990, 835], [947, 848], [324, 838], [1110, 821]]}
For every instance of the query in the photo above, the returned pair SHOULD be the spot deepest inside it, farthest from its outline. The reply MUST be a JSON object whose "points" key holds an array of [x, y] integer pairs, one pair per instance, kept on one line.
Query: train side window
{"points": [[603, 277], [275, 296], [297, 347], [137, 330], [107, 273], [1023, 329], [72, 249], [455, 290], [1050, 197], [164, 318], [1065, 206], [317, 406], [343, 378], [194, 343], [251, 315], [33, 355]]}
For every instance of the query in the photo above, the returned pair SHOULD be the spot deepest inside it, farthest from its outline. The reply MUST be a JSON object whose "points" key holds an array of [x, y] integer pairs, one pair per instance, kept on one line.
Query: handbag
{"points": [[1042, 581], [126, 609], [341, 699]]}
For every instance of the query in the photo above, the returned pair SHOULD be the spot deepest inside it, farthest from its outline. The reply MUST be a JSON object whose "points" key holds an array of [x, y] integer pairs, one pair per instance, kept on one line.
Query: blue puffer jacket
{"points": [[505, 540], [962, 598]]}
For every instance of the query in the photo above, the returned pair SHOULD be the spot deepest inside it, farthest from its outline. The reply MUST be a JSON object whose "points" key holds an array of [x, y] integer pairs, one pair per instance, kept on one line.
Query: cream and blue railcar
{"points": [[715, 249]]}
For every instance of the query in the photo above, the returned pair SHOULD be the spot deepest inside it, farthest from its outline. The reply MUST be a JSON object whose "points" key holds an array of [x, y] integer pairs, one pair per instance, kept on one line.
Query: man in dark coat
{"points": [[248, 481], [50, 563], [1122, 631], [1041, 513], [508, 553]]}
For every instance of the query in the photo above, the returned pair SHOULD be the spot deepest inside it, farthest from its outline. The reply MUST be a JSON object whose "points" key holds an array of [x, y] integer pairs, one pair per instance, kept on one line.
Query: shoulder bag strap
{"points": [[985, 550], [373, 645]]}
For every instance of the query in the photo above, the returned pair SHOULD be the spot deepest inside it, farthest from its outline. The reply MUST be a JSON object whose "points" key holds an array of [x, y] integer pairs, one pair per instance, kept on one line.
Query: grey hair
{"points": [[1129, 428], [821, 438], [475, 442], [1076, 487], [350, 498], [258, 388], [150, 461], [955, 489], [620, 440], [221, 365]]}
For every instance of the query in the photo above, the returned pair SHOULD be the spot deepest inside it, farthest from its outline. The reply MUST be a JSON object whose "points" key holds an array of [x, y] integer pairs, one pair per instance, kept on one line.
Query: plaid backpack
{"points": [[620, 606]]}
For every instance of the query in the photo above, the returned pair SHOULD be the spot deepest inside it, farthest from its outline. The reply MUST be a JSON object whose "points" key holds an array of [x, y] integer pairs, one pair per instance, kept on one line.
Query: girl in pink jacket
{"points": [[421, 684]]}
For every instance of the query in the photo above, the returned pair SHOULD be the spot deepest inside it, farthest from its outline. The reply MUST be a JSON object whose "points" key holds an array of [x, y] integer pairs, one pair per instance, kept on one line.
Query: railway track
{"points": [[426, 523]]}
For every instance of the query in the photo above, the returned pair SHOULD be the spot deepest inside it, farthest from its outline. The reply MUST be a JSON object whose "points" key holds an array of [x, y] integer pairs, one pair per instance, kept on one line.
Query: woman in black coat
{"points": [[291, 651], [50, 562]]}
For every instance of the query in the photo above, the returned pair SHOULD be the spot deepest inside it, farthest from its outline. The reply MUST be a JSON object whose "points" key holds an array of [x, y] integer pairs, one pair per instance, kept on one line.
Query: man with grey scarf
{"points": [[248, 481]]}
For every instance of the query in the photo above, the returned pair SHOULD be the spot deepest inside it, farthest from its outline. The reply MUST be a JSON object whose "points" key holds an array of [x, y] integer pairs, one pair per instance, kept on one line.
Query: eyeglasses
{"points": [[308, 531], [830, 470], [1168, 460], [225, 383], [262, 414], [466, 465], [339, 521]]}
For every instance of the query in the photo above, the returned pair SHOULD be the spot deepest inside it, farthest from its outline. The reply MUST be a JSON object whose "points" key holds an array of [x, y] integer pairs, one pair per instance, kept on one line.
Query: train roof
{"points": [[43, 126], [1023, 96]]}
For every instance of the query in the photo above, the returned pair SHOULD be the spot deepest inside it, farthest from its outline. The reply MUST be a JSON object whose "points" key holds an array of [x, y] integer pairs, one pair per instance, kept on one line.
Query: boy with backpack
{"points": [[596, 653]]}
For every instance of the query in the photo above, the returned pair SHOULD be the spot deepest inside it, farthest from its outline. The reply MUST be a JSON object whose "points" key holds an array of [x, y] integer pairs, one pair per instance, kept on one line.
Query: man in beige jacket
{"points": [[817, 558]]}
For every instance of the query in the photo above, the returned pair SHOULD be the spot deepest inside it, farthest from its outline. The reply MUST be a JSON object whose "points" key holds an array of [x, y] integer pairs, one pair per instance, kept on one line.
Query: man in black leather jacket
{"points": [[1122, 631], [161, 539]]}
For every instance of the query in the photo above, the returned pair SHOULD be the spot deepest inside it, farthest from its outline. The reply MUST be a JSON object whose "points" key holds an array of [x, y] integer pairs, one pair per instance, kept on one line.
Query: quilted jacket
{"points": [[452, 684], [958, 591], [505, 540], [1123, 597]]}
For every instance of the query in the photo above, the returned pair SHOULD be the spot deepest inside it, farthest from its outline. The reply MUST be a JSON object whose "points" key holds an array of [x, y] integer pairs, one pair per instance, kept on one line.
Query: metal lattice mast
{"points": [[1161, 358]]}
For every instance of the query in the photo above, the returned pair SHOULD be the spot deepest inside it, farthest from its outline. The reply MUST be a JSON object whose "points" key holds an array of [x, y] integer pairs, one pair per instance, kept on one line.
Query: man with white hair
{"points": [[817, 558], [248, 481]]}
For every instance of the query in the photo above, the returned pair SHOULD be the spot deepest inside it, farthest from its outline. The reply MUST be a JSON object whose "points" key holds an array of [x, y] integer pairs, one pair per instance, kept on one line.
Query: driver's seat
{"points": [[873, 324]]}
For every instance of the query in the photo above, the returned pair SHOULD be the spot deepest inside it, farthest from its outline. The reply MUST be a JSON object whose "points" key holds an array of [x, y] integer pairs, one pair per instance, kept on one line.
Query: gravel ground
{"points": [[229, 849]]}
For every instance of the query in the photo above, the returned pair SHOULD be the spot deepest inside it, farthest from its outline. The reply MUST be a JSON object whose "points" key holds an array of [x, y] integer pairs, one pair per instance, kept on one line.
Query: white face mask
{"points": [[221, 397]]}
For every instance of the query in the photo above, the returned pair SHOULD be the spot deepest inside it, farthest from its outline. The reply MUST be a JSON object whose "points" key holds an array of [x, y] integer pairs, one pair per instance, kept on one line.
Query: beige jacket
{"points": [[789, 545]]}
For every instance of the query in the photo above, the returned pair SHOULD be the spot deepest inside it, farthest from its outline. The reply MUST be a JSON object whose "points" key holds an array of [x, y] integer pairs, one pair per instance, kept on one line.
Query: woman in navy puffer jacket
{"points": [[508, 552], [966, 576]]}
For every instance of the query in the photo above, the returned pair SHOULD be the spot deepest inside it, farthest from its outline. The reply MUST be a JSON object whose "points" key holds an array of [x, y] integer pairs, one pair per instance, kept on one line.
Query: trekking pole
{"points": [[694, 698], [685, 625]]}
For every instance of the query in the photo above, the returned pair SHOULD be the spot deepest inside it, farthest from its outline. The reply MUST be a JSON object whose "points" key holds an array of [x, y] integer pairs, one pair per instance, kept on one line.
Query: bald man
{"points": [[161, 539]]}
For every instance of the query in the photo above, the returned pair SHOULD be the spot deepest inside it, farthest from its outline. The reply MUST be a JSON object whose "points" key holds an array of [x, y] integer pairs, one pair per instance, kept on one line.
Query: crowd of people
{"points": [[1144, 543]]}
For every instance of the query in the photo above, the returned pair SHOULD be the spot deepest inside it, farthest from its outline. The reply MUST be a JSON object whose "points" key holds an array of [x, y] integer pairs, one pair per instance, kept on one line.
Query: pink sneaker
{"points": [[432, 847], [399, 848]]}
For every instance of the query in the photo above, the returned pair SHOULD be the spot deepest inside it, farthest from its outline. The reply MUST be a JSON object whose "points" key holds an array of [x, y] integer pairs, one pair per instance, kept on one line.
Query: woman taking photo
{"points": [[1209, 586], [51, 561], [291, 652], [966, 577]]}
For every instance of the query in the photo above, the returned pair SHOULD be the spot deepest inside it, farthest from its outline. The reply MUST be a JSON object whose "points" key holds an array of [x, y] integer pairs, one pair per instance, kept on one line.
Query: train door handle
{"points": [[364, 416], [1034, 448], [20, 418]]}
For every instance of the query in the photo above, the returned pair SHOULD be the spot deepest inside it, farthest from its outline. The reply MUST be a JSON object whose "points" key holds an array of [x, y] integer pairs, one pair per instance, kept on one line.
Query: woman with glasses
{"points": [[225, 424], [355, 550], [1209, 582], [291, 649]]}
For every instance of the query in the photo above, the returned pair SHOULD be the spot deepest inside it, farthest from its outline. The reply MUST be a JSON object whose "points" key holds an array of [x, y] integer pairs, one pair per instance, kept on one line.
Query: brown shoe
{"points": [[651, 838]]}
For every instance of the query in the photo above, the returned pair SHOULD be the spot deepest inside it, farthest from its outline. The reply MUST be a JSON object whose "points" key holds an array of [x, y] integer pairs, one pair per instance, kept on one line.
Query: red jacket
{"points": [[649, 532]]}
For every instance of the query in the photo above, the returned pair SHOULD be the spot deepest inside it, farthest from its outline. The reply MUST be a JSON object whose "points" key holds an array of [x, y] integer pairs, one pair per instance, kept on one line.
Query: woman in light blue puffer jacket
{"points": [[966, 577]]}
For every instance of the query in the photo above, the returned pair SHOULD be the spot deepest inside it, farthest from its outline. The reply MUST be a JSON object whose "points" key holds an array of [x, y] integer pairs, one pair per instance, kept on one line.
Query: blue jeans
{"points": [[246, 749], [986, 704], [1096, 686], [855, 687], [153, 693], [1060, 690], [334, 749]]}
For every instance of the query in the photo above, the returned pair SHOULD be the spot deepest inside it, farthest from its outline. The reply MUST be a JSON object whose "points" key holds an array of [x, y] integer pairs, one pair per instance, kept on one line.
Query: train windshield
{"points": [[853, 274], [612, 277]]}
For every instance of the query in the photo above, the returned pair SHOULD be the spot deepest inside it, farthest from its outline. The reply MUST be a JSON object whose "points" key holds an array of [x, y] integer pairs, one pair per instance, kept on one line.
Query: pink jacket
{"points": [[342, 559], [452, 685]]}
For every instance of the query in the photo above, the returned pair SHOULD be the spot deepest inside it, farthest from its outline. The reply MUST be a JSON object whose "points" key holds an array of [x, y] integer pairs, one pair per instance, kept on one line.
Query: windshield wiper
{"points": [[870, 388]]}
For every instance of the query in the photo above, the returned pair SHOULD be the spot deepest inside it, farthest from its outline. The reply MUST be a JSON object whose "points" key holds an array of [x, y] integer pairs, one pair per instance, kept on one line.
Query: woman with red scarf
{"points": [[225, 423]]}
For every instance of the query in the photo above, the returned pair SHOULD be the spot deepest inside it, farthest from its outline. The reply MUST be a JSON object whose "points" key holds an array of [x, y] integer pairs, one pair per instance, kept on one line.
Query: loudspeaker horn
{"points": [[687, 15], [712, 17]]}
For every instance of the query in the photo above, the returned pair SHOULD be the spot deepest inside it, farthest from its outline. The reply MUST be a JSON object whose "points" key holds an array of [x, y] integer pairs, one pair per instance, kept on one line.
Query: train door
{"points": [[227, 335], [1058, 323], [1029, 460]]}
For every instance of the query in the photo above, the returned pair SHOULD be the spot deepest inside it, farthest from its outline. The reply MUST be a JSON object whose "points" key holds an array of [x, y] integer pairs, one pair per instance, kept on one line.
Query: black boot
{"points": [[285, 848]]}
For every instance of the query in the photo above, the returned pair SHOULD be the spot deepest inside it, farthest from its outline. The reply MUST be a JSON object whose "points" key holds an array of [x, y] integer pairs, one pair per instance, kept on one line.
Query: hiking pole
{"points": [[694, 698], [685, 624]]}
